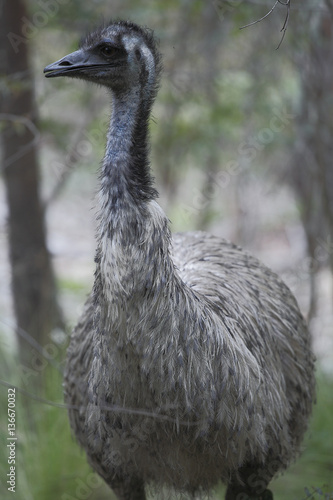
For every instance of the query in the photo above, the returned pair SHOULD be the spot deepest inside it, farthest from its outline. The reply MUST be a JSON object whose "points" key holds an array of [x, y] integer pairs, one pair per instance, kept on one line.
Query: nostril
{"points": [[65, 63]]}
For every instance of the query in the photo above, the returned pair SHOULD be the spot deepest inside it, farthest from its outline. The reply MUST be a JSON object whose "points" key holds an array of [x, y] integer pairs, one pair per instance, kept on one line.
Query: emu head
{"points": [[120, 56]]}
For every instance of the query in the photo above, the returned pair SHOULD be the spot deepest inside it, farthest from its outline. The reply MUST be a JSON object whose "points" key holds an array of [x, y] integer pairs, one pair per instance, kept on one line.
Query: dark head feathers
{"points": [[120, 27], [116, 29]]}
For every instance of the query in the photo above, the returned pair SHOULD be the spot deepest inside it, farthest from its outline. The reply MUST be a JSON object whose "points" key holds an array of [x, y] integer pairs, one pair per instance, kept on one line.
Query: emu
{"points": [[191, 362]]}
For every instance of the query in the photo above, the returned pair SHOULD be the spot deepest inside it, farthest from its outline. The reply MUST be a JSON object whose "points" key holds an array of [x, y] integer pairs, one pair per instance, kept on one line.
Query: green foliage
{"points": [[49, 462], [314, 470]]}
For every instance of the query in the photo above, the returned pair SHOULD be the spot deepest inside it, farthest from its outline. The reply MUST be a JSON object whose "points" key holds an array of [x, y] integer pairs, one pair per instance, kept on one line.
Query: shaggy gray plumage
{"points": [[191, 362]]}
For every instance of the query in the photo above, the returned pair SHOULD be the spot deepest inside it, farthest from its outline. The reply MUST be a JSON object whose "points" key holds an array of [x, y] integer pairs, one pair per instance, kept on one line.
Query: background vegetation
{"points": [[241, 147]]}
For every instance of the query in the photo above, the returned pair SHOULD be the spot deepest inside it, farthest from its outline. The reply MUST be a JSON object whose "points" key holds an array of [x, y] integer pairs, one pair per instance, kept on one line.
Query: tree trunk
{"points": [[33, 284], [313, 151]]}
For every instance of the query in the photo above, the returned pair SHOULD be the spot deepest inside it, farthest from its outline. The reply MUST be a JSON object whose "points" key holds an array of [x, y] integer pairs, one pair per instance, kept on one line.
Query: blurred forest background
{"points": [[241, 147]]}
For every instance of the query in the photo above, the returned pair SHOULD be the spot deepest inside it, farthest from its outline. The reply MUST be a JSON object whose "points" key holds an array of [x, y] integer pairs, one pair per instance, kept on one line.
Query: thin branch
{"points": [[65, 173], [30, 126], [112, 408], [33, 342], [72, 157], [303, 8], [34, 397], [286, 21], [262, 18]]}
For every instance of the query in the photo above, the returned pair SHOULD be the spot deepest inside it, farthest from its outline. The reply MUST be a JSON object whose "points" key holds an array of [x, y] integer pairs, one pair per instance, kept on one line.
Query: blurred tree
{"points": [[33, 284], [312, 163], [192, 67]]}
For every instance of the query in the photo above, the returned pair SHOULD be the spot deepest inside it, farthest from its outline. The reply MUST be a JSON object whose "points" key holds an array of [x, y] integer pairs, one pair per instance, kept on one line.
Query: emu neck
{"points": [[126, 178], [133, 234]]}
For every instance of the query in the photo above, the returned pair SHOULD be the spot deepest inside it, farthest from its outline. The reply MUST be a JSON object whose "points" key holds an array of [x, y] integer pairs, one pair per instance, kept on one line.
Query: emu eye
{"points": [[107, 51]]}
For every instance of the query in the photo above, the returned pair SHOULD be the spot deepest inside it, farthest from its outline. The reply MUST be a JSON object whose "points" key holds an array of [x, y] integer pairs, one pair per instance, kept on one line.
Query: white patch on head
{"points": [[130, 44]]}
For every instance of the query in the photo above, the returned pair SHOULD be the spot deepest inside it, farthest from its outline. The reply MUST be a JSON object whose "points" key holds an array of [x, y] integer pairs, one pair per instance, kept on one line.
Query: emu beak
{"points": [[73, 64]]}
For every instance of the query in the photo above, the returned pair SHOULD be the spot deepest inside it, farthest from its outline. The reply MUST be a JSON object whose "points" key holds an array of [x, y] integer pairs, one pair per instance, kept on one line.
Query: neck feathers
{"points": [[133, 261], [126, 173], [133, 236]]}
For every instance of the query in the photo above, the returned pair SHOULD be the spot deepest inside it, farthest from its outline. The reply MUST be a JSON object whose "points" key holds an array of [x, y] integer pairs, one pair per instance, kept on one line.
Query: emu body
{"points": [[191, 362]]}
